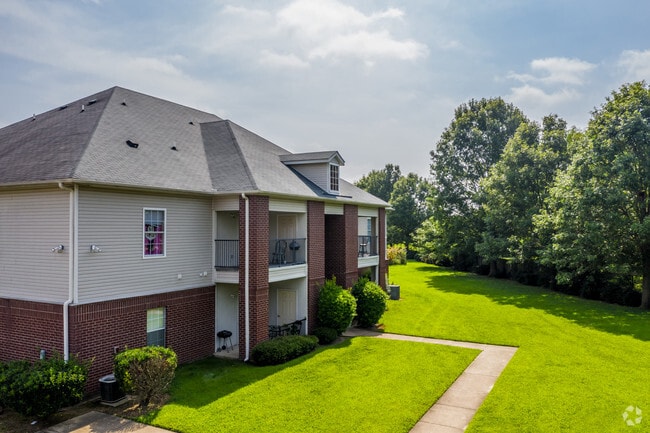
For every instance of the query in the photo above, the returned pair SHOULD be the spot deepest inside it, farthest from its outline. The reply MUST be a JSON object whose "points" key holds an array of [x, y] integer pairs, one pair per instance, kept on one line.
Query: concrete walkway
{"points": [[99, 422], [457, 406]]}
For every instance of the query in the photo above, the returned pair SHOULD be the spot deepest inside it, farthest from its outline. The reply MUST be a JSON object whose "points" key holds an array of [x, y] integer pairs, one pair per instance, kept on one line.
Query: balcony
{"points": [[368, 246], [286, 252], [226, 254]]}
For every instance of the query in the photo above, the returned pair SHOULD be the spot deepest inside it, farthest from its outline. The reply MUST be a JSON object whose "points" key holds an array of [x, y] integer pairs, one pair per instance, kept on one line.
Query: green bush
{"points": [[146, 372], [42, 388], [325, 335], [336, 306], [371, 303], [282, 349], [396, 254]]}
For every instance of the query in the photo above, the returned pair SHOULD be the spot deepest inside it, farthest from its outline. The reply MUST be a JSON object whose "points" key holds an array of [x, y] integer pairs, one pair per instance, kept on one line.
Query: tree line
{"points": [[541, 203]]}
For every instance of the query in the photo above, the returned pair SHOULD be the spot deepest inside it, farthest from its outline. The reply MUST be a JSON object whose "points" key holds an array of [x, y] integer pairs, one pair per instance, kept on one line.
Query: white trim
{"points": [[165, 233]]}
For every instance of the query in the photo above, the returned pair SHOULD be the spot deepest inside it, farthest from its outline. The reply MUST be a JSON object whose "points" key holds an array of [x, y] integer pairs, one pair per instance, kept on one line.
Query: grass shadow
{"points": [[202, 382], [610, 318]]}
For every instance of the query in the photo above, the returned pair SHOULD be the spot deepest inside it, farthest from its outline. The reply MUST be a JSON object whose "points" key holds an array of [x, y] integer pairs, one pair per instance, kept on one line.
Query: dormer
{"points": [[322, 168]]}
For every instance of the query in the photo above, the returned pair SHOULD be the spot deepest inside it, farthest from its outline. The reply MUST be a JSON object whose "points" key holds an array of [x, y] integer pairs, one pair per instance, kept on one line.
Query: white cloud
{"points": [[368, 45], [305, 31], [533, 96], [273, 59], [636, 64], [560, 70]]}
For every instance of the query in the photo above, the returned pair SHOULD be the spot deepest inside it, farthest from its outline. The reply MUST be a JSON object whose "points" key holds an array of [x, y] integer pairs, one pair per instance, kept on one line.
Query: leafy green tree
{"points": [[410, 209], [467, 149], [380, 183], [516, 189], [599, 209]]}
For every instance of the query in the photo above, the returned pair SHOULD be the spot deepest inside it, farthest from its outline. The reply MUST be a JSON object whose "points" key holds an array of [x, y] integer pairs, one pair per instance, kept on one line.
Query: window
{"points": [[156, 327], [334, 177], [154, 232]]}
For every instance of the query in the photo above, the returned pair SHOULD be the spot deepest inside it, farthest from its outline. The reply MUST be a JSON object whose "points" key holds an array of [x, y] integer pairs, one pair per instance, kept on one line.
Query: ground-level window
{"points": [[156, 327], [154, 226]]}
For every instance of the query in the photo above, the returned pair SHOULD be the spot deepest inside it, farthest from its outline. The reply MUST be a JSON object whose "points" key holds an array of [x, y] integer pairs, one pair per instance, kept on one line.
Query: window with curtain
{"points": [[154, 232]]}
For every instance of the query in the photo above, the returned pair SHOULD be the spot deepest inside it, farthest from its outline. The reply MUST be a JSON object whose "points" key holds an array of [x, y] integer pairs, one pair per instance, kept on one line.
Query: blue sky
{"points": [[376, 80]]}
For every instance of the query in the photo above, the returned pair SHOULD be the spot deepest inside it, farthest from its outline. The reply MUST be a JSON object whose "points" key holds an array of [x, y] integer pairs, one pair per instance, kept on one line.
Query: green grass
{"points": [[580, 363], [361, 385]]}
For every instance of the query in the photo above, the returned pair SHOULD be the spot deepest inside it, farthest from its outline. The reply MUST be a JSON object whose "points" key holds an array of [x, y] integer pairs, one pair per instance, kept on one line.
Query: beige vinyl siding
{"points": [[368, 212], [281, 205], [317, 173], [334, 209], [113, 221], [31, 224], [226, 203]]}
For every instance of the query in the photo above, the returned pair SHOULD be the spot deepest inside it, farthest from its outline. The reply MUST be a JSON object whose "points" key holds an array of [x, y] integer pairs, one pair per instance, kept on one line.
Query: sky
{"points": [[376, 80]]}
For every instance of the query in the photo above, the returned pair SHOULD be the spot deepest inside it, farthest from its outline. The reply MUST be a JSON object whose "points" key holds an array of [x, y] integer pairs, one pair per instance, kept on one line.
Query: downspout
{"points": [[246, 277], [72, 266]]}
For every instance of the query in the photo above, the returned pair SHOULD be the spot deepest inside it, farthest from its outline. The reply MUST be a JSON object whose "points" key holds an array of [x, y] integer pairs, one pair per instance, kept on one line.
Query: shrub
{"points": [[371, 303], [336, 306], [325, 335], [282, 349], [42, 388], [145, 372], [396, 254]]}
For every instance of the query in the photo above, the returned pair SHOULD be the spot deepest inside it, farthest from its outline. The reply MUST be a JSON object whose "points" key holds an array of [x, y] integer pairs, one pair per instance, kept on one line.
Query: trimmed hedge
{"points": [[336, 307], [147, 372], [325, 335], [42, 388], [371, 303], [282, 349]]}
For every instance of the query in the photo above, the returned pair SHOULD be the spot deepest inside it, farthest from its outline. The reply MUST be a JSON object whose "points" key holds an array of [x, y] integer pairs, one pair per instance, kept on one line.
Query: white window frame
{"points": [[162, 328], [334, 178], [144, 233]]}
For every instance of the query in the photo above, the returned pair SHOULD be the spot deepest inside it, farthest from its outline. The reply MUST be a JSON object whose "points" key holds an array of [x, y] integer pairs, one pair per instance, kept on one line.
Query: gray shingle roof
{"points": [[178, 148]]}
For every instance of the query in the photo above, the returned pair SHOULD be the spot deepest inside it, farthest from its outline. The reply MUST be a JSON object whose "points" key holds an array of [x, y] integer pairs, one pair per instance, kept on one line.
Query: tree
{"points": [[516, 189], [410, 209], [380, 183], [599, 209], [467, 149]]}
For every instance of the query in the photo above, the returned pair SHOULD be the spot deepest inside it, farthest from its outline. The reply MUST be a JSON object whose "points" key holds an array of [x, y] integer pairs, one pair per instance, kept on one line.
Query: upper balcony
{"points": [[286, 252], [368, 246], [282, 252]]}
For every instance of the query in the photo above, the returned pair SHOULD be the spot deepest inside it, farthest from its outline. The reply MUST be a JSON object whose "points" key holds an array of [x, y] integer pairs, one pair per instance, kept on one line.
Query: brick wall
{"points": [[341, 246], [316, 256], [351, 214], [258, 273], [27, 327], [97, 328], [383, 263]]}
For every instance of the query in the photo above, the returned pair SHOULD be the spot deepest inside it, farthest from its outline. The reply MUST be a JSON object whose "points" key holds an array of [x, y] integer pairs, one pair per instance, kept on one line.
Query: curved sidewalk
{"points": [[456, 407]]}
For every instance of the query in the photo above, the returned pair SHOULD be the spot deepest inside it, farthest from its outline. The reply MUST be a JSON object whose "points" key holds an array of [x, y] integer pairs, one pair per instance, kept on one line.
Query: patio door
{"points": [[286, 306]]}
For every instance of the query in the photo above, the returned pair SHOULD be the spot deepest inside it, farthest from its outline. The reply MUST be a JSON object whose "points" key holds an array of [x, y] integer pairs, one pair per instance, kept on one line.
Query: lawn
{"points": [[360, 385], [580, 363]]}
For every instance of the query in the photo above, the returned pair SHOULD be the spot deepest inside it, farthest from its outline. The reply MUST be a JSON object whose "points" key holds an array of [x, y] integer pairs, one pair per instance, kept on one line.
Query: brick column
{"points": [[351, 214], [315, 257], [341, 246], [383, 263], [258, 271]]}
